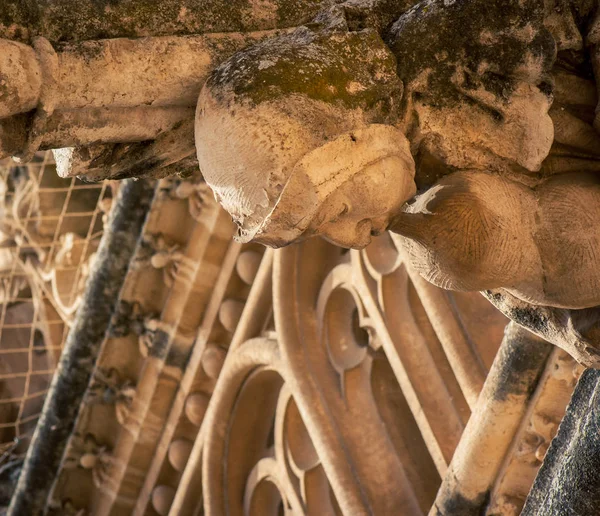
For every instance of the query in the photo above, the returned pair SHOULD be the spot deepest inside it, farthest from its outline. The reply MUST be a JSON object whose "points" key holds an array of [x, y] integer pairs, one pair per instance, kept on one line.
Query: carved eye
{"points": [[345, 209]]}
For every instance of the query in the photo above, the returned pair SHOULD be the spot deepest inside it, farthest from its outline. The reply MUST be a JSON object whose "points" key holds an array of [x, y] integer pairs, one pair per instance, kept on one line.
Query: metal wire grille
{"points": [[49, 230]]}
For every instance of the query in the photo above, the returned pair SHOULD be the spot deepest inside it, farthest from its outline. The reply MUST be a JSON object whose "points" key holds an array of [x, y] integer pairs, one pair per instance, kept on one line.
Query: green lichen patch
{"points": [[78, 20], [349, 69], [467, 45]]}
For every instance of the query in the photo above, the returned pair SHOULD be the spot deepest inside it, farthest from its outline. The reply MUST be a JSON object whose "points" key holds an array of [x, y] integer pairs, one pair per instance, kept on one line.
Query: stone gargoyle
{"points": [[467, 128]]}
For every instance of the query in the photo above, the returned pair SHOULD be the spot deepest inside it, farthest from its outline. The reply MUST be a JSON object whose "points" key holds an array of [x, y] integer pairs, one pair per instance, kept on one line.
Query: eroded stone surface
{"points": [[475, 109]]}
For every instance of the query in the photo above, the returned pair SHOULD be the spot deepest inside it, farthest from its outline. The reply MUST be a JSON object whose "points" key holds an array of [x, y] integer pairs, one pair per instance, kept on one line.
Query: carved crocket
{"points": [[484, 109]]}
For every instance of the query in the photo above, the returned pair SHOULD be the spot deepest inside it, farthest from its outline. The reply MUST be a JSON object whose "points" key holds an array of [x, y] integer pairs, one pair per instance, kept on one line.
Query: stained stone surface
{"points": [[68, 20], [467, 127], [568, 481]]}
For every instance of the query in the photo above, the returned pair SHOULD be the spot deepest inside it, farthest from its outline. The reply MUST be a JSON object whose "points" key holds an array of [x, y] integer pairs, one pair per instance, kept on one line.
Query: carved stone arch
{"points": [[359, 461], [368, 365], [243, 445]]}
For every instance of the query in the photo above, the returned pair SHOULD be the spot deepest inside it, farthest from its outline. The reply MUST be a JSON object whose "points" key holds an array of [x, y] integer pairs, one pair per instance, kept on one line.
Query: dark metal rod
{"points": [[569, 480], [78, 358]]}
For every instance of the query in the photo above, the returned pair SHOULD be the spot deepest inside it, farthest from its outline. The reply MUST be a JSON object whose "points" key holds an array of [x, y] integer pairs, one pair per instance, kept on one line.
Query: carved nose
{"points": [[379, 225]]}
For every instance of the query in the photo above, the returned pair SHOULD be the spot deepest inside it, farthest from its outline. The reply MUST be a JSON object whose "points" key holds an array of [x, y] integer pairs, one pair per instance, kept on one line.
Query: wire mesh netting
{"points": [[50, 228]]}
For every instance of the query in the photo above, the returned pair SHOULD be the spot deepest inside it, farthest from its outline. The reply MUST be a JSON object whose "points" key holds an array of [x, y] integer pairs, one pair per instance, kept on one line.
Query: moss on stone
{"points": [[78, 20], [465, 45], [351, 69]]}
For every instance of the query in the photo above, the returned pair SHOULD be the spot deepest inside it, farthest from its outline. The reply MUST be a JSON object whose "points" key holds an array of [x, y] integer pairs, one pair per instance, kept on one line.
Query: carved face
{"points": [[283, 186], [294, 136], [364, 205]]}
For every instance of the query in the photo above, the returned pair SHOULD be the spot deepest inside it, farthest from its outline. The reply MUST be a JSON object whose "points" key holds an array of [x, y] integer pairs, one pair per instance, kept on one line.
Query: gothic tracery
{"points": [[453, 146]]}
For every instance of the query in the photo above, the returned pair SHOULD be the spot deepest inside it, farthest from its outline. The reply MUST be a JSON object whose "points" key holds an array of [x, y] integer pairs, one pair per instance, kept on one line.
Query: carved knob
{"points": [[247, 266], [88, 460], [21, 78], [212, 361], [230, 313], [179, 453], [162, 499], [195, 407]]}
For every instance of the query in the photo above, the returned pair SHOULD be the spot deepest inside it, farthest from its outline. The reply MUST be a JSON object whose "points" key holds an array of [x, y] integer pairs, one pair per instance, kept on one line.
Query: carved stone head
{"points": [[294, 136]]}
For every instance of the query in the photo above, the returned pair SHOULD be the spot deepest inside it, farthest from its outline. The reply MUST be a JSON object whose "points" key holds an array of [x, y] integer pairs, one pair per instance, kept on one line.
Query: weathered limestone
{"points": [[471, 108], [493, 425], [115, 90], [278, 100], [539, 244], [72, 20], [171, 149], [575, 331], [328, 129], [476, 118]]}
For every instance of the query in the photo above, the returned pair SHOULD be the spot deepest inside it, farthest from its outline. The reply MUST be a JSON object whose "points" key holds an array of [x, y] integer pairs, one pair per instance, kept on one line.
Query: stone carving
{"points": [[354, 328], [80, 98], [371, 335], [151, 352], [352, 354], [299, 171], [162, 255], [485, 109], [530, 443], [109, 388], [86, 453]]}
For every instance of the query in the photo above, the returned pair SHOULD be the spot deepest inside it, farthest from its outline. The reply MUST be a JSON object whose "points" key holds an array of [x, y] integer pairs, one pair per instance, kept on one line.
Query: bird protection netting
{"points": [[50, 228]]}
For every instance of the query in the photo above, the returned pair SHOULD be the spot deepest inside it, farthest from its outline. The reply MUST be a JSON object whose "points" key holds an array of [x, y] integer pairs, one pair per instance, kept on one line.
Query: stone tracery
{"points": [[335, 152]]}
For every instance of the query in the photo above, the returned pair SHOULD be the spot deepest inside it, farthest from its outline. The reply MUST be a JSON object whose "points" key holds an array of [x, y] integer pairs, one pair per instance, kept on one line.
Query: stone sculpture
{"points": [[485, 109], [343, 113]]}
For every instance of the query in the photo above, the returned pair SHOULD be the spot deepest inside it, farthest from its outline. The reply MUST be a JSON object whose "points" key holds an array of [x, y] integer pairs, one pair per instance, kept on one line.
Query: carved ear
{"points": [[473, 231]]}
